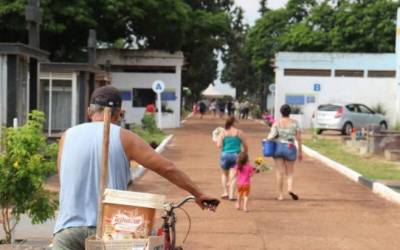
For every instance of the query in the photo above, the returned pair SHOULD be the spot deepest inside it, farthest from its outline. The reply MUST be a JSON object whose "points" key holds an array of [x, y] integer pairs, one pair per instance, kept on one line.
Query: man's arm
{"points": [[138, 150], [60, 149]]}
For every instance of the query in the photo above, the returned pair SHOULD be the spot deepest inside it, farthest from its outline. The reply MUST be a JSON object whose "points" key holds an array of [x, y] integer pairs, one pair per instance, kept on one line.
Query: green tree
{"points": [[238, 70], [207, 33], [25, 162], [263, 7], [197, 27], [328, 26]]}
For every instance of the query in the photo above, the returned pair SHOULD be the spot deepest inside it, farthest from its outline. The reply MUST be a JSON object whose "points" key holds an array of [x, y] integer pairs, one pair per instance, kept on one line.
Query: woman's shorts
{"points": [[228, 160], [243, 190], [286, 151]]}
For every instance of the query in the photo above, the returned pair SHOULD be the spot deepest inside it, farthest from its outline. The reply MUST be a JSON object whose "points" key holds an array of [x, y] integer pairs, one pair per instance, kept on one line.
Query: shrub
{"points": [[149, 122], [379, 109], [255, 111], [25, 162], [152, 138]]}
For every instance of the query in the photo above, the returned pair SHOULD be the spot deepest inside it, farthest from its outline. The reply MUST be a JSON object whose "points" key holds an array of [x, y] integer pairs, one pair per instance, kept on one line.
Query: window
{"points": [[382, 73], [328, 107], [352, 108], [307, 72], [143, 97], [365, 110], [349, 73], [143, 69]]}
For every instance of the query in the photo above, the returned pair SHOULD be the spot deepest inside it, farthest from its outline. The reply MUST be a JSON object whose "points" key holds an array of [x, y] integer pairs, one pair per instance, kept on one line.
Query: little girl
{"points": [[243, 174]]}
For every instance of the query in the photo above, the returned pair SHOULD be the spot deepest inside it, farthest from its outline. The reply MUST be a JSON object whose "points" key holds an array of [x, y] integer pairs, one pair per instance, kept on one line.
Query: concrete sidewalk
{"points": [[332, 213]]}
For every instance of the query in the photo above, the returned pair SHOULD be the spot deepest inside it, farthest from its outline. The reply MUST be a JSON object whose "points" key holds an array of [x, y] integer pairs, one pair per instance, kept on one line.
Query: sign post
{"points": [[272, 89], [158, 87]]}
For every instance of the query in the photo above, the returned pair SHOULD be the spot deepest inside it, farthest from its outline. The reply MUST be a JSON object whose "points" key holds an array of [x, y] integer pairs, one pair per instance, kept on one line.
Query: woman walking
{"points": [[285, 132], [231, 142]]}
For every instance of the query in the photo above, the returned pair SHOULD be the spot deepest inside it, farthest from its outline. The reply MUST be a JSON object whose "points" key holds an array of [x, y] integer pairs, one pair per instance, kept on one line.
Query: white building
{"points": [[133, 73], [310, 79]]}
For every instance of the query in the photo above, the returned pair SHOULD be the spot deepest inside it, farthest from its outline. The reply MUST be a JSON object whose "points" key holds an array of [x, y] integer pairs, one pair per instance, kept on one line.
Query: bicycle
{"points": [[169, 223]]}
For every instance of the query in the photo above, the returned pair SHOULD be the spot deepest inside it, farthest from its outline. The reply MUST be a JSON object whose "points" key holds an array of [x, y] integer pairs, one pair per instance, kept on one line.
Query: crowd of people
{"points": [[221, 107], [236, 169]]}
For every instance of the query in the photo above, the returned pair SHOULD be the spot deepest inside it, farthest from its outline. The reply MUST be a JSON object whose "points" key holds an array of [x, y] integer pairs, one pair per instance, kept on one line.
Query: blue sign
{"points": [[310, 99], [317, 87], [168, 96], [126, 95], [295, 99]]}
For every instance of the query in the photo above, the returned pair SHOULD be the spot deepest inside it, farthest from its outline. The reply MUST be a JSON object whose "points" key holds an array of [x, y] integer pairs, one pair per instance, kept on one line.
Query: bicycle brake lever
{"points": [[213, 203]]}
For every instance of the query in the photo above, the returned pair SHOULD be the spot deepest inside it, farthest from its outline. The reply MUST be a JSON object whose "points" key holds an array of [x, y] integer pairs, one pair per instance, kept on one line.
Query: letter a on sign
{"points": [[158, 86]]}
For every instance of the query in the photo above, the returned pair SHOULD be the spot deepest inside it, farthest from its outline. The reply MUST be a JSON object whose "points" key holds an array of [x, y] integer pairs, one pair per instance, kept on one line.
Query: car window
{"points": [[328, 107], [352, 108], [364, 109]]}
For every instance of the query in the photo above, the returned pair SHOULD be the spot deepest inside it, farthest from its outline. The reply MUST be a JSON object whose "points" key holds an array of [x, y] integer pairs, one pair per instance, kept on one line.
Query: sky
{"points": [[251, 8]]}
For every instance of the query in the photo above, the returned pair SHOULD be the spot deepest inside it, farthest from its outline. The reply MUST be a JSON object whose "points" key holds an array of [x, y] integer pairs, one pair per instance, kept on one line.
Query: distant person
{"points": [[221, 108], [202, 109], [230, 108], [286, 131], [231, 141], [237, 108], [213, 107], [243, 172], [246, 109], [241, 110], [195, 109]]}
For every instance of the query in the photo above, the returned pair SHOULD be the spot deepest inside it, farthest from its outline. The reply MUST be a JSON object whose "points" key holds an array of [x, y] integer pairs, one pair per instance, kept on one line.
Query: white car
{"points": [[344, 118]]}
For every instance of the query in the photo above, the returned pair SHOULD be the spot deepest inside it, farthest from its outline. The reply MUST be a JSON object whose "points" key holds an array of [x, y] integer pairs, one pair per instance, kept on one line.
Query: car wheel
{"points": [[319, 131], [383, 126], [347, 128]]}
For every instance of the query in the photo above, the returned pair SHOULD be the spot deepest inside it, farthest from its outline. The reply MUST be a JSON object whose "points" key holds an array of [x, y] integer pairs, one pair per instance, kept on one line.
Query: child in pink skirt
{"points": [[244, 171]]}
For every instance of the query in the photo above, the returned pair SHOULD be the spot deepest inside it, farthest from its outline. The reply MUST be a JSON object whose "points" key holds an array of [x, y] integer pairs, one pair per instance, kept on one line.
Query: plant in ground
{"points": [[25, 162], [149, 122], [379, 109]]}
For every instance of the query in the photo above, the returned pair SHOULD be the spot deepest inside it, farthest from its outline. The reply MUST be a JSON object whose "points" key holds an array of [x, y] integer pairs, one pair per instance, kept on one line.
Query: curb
{"points": [[187, 117], [376, 187], [140, 171]]}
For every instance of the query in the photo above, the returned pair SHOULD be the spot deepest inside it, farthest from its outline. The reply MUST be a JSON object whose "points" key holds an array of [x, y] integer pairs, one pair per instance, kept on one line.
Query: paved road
{"points": [[333, 212]]}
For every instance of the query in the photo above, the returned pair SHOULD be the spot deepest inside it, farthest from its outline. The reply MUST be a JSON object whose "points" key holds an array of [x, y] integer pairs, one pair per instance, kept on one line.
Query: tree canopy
{"points": [[196, 27], [325, 26]]}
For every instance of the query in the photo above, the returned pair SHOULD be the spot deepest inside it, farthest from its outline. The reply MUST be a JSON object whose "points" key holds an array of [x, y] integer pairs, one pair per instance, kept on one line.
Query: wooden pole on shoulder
{"points": [[104, 170]]}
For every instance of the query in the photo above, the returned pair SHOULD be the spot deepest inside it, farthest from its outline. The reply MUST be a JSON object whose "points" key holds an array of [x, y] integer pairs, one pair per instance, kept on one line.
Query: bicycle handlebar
{"points": [[171, 206], [183, 202]]}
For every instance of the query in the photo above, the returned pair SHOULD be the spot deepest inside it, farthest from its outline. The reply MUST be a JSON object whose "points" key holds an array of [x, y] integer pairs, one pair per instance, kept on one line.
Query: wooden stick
{"points": [[104, 170]]}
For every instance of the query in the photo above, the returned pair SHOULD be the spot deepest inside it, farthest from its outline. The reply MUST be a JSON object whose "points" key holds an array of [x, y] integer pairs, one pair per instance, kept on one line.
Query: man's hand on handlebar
{"points": [[207, 202]]}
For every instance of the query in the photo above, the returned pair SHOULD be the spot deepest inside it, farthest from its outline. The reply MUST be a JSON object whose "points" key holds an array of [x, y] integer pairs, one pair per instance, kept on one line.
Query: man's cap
{"points": [[106, 96]]}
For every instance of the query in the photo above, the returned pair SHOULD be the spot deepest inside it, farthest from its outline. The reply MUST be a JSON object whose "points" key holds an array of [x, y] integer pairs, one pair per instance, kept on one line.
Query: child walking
{"points": [[243, 174]]}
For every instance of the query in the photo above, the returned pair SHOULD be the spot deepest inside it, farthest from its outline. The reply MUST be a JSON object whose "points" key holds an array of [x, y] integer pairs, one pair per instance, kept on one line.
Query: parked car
{"points": [[346, 117]]}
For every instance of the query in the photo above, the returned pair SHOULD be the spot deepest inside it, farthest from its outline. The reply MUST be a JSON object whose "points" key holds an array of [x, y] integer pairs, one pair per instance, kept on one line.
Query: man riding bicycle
{"points": [[79, 169]]}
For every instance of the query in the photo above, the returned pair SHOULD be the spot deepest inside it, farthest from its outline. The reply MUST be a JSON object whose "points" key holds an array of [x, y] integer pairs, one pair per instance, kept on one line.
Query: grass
{"points": [[369, 167], [185, 113], [151, 137]]}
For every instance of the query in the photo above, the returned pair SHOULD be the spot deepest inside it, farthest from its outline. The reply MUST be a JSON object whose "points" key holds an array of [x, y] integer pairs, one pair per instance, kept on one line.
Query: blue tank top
{"points": [[80, 173], [232, 144]]}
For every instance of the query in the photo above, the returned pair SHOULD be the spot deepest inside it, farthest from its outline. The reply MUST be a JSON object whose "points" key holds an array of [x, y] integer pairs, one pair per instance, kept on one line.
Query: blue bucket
{"points": [[268, 148]]}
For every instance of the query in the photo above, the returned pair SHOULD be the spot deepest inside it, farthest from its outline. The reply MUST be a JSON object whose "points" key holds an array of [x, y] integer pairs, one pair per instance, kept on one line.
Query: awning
{"points": [[213, 92]]}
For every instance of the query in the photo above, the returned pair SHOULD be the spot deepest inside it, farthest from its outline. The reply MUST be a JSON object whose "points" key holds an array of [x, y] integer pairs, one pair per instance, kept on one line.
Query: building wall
{"points": [[128, 81], [3, 90], [335, 89]]}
